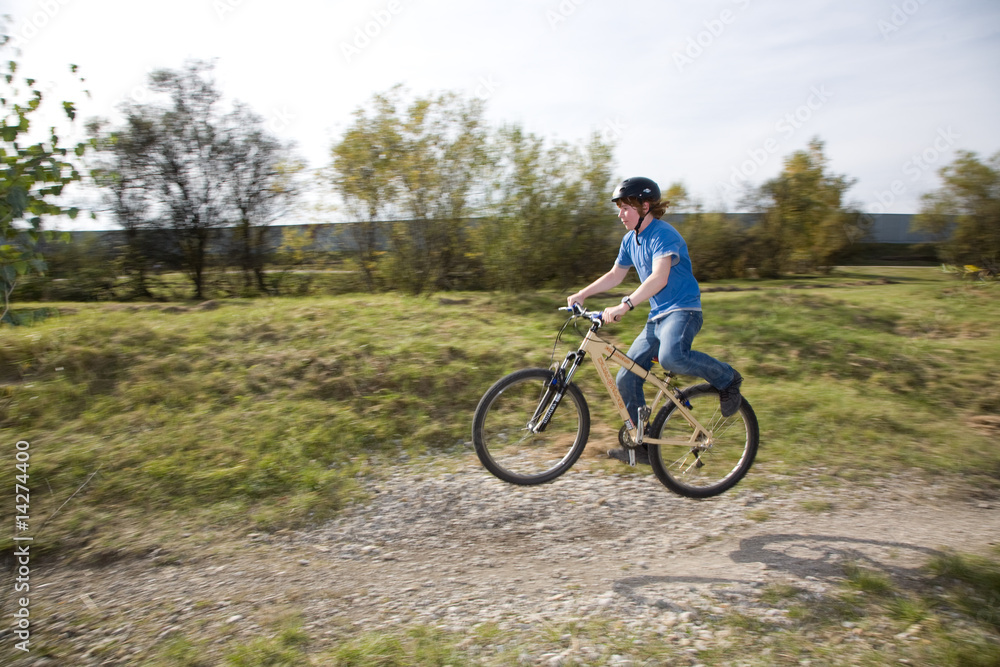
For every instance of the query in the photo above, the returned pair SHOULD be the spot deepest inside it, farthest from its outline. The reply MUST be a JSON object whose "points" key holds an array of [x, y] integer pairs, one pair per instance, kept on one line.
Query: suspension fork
{"points": [[555, 391]]}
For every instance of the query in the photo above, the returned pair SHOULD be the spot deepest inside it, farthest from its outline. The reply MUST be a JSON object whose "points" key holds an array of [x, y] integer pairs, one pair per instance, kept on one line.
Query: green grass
{"points": [[945, 617], [419, 646], [863, 580], [261, 414], [884, 375], [975, 585], [286, 649], [817, 506]]}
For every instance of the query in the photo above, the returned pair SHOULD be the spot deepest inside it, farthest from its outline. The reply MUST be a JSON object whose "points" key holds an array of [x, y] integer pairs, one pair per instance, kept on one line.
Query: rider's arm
{"points": [[609, 280], [656, 281]]}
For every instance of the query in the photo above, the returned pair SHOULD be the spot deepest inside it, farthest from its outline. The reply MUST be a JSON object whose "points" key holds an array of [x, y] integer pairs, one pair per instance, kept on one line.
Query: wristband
{"points": [[628, 302]]}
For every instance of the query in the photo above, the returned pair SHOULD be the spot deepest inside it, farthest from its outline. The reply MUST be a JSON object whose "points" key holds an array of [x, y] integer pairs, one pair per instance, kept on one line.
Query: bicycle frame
{"points": [[603, 352]]}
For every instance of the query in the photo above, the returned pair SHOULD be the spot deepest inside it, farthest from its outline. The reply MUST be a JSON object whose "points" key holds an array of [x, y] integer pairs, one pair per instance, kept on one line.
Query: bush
{"points": [[716, 244]]}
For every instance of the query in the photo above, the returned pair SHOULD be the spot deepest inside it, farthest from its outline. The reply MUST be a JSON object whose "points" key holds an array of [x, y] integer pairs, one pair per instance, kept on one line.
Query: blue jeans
{"points": [[670, 340]]}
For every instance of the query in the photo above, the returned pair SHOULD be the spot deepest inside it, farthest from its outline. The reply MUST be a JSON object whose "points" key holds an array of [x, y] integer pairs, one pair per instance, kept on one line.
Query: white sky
{"points": [[710, 93]]}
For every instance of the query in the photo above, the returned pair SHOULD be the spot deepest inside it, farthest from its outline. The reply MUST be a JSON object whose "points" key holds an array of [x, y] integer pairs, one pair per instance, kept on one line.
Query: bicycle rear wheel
{"points": [[506, 444], [711, 468]]}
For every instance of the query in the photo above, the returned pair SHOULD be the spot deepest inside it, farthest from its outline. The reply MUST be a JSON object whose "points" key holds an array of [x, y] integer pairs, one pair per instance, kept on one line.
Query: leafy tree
{"points": [[803, 221], [679, 199], [716, 244], [551, 212], [361, 174], [180, 171], [439, 162], [417, 170], [261, 178], [35, 174], [417, 162], [299, 246], [122, 167], [188, 173], [966, 207], [716, 241]]}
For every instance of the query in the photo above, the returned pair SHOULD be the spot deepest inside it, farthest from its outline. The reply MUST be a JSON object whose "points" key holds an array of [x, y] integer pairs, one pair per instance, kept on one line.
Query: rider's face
{"points": [[628, 215]]}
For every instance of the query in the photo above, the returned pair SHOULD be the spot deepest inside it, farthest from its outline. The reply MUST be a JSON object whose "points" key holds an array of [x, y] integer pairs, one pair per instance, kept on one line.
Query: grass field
{"points": [[266, 412], [150, 420]]}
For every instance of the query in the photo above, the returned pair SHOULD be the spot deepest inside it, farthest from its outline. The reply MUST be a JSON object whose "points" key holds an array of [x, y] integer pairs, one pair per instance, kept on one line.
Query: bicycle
{"points": [[532, 425]]}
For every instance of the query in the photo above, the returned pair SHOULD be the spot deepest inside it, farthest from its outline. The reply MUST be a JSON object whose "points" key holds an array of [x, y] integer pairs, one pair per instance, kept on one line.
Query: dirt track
{"points": [[455, 548]]}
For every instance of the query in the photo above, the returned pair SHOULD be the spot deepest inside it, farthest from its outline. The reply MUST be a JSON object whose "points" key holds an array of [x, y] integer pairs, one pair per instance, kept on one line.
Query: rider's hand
{"points": [[575, 298], [615, 314]]}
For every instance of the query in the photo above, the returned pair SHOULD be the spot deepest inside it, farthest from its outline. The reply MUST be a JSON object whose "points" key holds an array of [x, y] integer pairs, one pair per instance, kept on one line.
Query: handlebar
{"points": [[595, 316]]}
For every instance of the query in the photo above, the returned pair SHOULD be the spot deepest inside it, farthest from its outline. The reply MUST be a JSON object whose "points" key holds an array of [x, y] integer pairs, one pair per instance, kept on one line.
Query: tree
{"points": [[35, 174], [679, 199], [716, 243], [410, 170], [361, 175], [261, 175], [188, 171], [803, 223], [440, 167], [966, 210], [586, 227], [416, 170], [180, 171], [551, 211], [122, 167]]}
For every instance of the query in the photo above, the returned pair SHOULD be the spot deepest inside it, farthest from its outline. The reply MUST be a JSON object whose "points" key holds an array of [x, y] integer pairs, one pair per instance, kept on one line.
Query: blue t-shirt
{"points": [[656, 240]]}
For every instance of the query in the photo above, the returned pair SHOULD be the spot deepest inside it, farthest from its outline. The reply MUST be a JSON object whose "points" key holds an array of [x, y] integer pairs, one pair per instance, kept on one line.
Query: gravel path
{"points": [[457, 548]]}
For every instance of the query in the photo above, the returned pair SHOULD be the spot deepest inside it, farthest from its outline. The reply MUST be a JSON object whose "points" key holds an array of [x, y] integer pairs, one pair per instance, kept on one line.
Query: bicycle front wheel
{"points": [[710, 468], [504, 434]]}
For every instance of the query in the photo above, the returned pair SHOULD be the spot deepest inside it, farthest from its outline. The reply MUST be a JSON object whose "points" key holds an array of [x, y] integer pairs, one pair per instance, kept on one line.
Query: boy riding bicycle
{"points": [[660, 256]]}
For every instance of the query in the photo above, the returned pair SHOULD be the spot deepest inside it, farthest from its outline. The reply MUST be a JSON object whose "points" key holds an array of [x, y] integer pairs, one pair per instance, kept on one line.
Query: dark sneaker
{"points": [[730, 397], [621, 454]]}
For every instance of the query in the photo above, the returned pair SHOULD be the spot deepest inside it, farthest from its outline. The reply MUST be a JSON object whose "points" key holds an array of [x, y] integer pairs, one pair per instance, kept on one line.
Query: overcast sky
{"points": [[712, 94]]}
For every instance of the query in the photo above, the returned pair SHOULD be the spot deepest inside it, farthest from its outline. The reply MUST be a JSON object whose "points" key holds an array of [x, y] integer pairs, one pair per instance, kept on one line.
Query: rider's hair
{"points": [[657, 207]]}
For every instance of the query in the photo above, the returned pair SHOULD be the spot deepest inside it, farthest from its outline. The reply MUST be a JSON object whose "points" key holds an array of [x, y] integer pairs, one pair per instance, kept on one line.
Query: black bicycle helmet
{"points": [[643, 189], [640, 187]]}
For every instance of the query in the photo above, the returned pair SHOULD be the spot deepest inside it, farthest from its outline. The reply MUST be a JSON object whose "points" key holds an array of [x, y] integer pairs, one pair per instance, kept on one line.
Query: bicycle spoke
{"points": [[505, 440], [710, 469]]}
